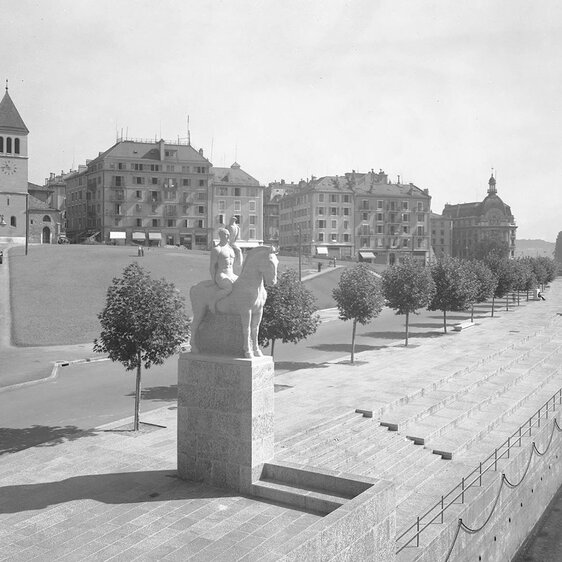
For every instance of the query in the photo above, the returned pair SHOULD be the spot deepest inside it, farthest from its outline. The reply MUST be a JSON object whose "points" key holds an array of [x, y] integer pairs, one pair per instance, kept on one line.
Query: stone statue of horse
{"points": [[246, 299]]}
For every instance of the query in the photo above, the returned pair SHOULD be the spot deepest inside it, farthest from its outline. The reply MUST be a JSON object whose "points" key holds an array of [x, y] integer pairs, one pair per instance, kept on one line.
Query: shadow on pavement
{"points": [[13, 440], [112, 488], [159, 393], [402, 335], [296, 365], [346, 347]]}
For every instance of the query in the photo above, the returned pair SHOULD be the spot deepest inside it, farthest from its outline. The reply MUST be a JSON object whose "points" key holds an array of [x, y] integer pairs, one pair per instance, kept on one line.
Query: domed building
{"points": [[475, 223]]}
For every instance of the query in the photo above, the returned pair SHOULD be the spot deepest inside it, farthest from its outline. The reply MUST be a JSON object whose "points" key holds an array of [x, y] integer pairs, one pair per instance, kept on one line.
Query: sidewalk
{"points": [[111, 495]]}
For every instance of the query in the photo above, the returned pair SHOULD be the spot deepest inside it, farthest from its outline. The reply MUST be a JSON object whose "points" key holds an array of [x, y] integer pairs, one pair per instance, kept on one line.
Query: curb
{"points": [[54, 373]]}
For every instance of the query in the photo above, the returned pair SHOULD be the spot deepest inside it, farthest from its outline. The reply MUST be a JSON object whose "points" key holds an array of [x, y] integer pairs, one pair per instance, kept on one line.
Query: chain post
{"points": [[418, 531]]}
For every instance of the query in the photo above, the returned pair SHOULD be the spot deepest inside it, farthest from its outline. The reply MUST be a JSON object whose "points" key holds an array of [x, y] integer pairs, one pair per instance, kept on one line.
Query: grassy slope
{"points": [[57, 291]]}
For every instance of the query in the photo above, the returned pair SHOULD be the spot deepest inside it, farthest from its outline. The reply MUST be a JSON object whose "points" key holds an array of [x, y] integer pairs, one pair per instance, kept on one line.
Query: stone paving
{"points": [[111, 495]]}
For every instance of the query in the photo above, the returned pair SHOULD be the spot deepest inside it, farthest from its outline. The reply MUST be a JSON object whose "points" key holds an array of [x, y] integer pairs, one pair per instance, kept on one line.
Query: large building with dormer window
{"points": [[142, 191], [474, 222]]}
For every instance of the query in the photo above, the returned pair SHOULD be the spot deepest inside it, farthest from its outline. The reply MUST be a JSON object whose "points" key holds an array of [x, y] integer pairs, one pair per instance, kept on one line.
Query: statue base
{"points": [[225, 419]]}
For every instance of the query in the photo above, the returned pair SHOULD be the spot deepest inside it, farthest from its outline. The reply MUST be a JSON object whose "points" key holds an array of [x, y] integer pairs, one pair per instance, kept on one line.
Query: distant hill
{"points": [[534, 248]]}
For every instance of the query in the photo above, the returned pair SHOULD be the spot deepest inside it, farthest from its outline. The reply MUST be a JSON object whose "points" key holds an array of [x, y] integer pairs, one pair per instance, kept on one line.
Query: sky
{"points": [[436, 92]]}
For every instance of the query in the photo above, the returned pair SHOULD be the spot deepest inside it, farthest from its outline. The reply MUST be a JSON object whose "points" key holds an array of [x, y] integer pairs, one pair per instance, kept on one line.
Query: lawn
{"points": [[57, 291]]}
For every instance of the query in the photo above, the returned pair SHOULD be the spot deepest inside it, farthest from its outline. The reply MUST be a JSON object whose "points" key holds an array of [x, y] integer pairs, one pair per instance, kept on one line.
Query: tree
{"points": [[455, 286], [143, 323], [408, 287], [505, 272], [558, 248], [289, 313], [359, 297], [485, 283], [525, 280]]}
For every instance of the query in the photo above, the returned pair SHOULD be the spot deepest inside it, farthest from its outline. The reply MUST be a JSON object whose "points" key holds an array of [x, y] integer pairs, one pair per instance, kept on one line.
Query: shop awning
{"points": [[321, 251], [117, 235], [367, 255], [139, 236], [155, 236]]}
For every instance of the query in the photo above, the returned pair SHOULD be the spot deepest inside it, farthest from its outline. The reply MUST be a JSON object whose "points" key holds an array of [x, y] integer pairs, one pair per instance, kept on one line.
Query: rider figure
{"points": [[234, 231], [223, 257]]}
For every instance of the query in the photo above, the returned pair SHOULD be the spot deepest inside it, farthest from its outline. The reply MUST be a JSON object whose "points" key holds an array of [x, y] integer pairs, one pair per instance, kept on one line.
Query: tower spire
{"points": [[492, 184], [6, 84]]}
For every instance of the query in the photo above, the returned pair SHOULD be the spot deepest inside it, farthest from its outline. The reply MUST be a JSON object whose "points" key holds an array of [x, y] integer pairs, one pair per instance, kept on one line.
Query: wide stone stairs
{"points": [[426, 441]]}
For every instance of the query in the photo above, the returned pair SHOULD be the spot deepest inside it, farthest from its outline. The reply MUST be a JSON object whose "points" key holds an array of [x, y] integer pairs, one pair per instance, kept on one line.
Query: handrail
{"points": [[512, 441]]}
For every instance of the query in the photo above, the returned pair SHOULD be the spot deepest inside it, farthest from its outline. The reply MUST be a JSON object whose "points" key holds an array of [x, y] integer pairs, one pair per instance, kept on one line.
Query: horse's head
{"points": [[263, 259]]}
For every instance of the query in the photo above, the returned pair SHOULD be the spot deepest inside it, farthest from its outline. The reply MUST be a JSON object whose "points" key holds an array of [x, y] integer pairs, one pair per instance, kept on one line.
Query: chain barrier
{"points": [[504, 480], [493, 459]]}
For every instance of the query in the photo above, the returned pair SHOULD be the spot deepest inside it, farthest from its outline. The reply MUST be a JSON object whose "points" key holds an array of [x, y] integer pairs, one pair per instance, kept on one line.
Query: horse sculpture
{"points": [[246, 299]]}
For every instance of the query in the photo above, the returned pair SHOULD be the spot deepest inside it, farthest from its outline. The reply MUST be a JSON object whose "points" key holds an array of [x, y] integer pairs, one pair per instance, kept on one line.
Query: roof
{"points": [[476, 209], [326, 183], [150, 151], [233, 175], [36, 204], [10, 117]]}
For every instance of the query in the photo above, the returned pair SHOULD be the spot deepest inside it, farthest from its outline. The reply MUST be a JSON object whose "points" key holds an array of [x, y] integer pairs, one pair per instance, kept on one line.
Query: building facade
{"points": [[13, 173], [441, 235], [151, 192], [235, 193], [474, 223]]}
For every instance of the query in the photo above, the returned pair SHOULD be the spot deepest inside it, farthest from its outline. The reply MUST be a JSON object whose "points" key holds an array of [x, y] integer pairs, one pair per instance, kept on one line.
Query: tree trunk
{"points": [[137, 395], [518, 299], [353, 340], [507, 301], [445, 321], [407, 326], [493, 301], [272, 347], [472, 313], [527, 294]]}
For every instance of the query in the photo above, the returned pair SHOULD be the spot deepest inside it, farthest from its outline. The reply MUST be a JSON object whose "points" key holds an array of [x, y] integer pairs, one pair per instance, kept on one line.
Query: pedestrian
{"points": [[539, 295]]}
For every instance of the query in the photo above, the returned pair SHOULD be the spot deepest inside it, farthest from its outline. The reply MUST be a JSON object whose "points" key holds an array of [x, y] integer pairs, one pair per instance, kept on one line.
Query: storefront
{"points": [[154, 238], [117, 238], [139, 238]]}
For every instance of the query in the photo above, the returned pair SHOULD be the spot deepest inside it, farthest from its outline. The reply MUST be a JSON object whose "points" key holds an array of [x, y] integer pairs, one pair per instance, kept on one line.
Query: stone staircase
{"points": [[428, 439]]}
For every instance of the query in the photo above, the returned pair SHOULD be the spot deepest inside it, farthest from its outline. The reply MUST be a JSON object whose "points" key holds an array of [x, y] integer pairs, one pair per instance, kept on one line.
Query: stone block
{"points": [[225, 418]]}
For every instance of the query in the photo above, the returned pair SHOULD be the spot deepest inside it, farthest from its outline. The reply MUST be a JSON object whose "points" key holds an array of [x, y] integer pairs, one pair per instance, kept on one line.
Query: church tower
{"points": [[13, 172]]}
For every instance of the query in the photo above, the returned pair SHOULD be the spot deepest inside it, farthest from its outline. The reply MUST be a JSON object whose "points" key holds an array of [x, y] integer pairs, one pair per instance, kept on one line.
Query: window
{"points": [[320, 237], [185, 169], [222, 205], [46, 218], [138, 180], [170, 168], [154, 222], [379, 217], [420, 205], [138, 208], [118, 181], [364, 216], [333, 198], [253, 233], [17, 146], [379, 228], [420, 230], [320, 210], [200, 223], [170, 194], [154, 196], [139, 222], [1, 144], [404, 205], [13, 221], [364, 242], [321, 224], [119, 195], [155, 167], [171, 223], [346, 211], [379, 204], [237, 206], [321, 197], [334, 237], [346, 198], [334, 224], [345, 225], [421, 217], [202, 183], [137, 167], [333, 210], [405, 217], [252, 205], [186, 182], [253, 219], [118, 208], [405, 229], [201, 209], [237, 192], [364, 204], [223, 191], [346, 237], [8, 144], [138, 194], [405, 243]]}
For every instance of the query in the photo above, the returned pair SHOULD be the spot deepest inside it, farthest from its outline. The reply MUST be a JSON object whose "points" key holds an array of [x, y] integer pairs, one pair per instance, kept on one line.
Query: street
{"points": [[87, 395]]}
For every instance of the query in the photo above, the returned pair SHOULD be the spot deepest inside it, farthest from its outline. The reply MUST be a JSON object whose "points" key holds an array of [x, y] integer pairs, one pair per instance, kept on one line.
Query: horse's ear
{"points": [[274, 250]]}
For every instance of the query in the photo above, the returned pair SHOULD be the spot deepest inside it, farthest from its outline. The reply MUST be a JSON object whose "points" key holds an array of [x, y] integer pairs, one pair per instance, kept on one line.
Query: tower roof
{"points": [[9, 116]]}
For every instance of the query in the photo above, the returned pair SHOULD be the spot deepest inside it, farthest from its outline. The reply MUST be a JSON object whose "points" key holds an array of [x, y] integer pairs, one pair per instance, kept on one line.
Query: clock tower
{"points": [[13, 171]]}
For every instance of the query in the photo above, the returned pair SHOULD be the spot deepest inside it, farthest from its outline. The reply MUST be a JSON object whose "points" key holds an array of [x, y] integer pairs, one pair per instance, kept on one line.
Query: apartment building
{"points": [[235, 193], [441, 235], [142, 191]]}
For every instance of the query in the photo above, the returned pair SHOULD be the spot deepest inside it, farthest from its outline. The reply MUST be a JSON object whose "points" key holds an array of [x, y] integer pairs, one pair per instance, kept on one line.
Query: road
{"points": [[87, 395]]}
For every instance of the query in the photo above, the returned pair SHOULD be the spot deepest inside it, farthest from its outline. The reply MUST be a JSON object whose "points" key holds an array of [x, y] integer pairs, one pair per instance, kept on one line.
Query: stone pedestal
{"points": [[225, 419]]}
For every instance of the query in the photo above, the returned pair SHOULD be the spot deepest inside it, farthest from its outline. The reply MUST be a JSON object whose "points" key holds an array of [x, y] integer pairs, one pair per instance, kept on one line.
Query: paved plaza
{"points": [[108, 494]]}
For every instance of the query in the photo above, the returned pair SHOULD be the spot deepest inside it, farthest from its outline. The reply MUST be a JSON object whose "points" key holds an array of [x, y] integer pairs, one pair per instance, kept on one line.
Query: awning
{"points": [[367, 255], [155, 236], [321, 251], [117, 235], [139, 236]]}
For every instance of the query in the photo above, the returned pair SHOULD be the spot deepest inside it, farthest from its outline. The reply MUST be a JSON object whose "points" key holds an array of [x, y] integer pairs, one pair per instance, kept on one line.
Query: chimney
{"points": [[201, 151]]}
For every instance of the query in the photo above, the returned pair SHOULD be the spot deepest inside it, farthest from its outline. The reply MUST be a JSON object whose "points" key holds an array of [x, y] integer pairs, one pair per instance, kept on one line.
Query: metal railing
{"points": [[436, 513]]}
